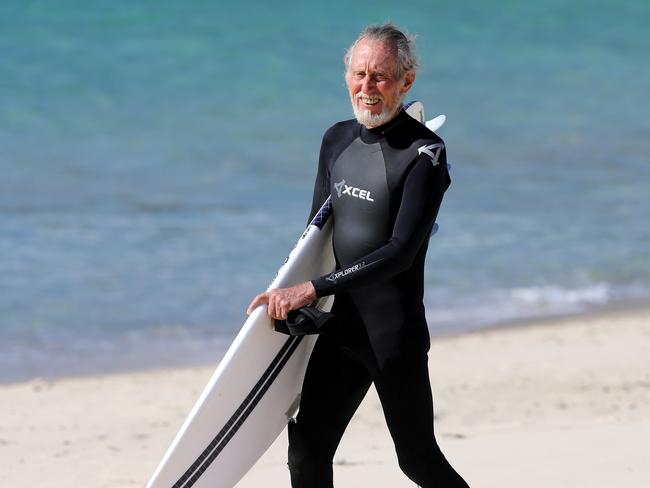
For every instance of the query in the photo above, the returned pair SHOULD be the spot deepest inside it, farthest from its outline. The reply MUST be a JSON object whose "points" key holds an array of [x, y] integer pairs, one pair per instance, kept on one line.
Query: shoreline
{"points": [[131, 364], [563, 402], [619, 307]]}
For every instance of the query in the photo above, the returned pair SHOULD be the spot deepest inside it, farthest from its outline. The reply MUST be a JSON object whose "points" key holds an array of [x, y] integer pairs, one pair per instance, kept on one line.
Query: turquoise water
{"points": [[157, 160]]}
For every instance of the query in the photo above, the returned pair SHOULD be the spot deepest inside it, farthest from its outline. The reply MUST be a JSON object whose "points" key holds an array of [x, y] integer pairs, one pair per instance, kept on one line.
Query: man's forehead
{"points": [[377, 54]]}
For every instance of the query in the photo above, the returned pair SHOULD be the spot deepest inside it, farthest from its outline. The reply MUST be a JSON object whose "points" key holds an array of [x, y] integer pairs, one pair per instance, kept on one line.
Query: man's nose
{"points": [[367, 83]]}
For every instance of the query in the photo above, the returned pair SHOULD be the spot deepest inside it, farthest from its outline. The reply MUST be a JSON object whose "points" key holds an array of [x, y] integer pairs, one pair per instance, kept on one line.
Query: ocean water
{"points": [[157, 161]]}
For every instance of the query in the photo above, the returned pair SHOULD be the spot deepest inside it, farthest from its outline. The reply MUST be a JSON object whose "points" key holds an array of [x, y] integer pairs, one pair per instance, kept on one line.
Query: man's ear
{"points": [[409, 79]]}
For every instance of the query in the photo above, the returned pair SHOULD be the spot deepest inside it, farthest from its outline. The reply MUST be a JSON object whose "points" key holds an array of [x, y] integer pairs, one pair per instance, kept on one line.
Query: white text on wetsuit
{"points": [[343, 189], [340, 274]]}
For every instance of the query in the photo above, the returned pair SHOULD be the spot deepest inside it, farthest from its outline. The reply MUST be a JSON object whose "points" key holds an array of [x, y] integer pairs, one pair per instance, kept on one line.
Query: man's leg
{"points": [[334, 387], [405, 394]]}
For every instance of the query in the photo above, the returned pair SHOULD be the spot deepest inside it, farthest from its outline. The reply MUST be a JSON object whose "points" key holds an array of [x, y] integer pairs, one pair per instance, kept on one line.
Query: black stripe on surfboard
{"points": [[323, 214], [210, 453]]}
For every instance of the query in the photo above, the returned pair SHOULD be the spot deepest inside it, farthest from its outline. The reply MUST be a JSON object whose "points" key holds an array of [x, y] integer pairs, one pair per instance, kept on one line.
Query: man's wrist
{"points": [[310, 292]]}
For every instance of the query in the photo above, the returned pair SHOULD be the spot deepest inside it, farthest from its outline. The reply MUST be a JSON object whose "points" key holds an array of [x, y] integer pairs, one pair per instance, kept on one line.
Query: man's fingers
{"points": [[271, 308], [284, 309], [284, 313], [280, 302], [260, 299], [278, 306]]}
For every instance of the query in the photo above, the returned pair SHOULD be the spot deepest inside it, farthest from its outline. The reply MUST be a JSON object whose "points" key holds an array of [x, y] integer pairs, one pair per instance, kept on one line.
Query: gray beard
{"points": [[370, 120]]}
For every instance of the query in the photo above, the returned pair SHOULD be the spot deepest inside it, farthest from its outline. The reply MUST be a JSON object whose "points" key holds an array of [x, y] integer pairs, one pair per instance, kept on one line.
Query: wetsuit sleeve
{"points": [[322, 185], [422, 195]]}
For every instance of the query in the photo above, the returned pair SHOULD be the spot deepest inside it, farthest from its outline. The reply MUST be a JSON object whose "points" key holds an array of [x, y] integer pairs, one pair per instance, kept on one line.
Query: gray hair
{"points": [[401, 41]]}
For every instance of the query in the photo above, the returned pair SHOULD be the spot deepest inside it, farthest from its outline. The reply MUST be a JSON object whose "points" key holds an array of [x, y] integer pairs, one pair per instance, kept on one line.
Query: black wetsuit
{"points": [[386, 185]]}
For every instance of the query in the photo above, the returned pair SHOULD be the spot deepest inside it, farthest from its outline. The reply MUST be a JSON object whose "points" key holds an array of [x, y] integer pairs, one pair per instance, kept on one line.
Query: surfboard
{"points": [[416, 110], [435, 123], [255, 389]]}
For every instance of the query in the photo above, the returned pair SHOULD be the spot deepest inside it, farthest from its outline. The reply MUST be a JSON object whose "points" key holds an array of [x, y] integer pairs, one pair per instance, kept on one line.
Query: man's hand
{"points": [[281, 301]]}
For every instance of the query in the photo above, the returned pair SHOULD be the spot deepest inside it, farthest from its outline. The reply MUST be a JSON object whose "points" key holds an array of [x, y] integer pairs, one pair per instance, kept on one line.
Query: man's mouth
{"points": [[368, 100]]}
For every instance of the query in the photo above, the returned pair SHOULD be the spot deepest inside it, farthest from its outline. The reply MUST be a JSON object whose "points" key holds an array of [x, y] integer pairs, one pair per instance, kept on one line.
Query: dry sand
{"points": [[563, 403]]}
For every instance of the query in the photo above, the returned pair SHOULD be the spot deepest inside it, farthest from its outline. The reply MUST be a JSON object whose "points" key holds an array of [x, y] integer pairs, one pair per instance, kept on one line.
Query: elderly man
{"points": [[386, 195]]}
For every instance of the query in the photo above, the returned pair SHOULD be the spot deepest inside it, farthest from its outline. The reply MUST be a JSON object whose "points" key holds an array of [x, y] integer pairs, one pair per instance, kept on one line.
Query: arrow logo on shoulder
{"points": [[432, 150], [339, 187]]}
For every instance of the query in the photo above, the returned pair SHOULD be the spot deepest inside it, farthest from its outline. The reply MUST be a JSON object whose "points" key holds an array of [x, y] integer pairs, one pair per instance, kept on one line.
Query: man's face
{"points": [[375, 91]]}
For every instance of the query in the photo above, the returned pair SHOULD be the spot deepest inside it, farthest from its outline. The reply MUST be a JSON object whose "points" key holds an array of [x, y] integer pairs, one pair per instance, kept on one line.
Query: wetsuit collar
{"points": [[377, 133]]}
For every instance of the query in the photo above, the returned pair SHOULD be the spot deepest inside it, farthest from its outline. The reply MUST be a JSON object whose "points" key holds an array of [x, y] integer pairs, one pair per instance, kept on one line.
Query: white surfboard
{"points": [[255, 390], [416, 110], [435, 123]]}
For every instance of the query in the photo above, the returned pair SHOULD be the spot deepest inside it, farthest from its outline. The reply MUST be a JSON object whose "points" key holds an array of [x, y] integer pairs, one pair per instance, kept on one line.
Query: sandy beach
{"points": [[559, 403]]}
